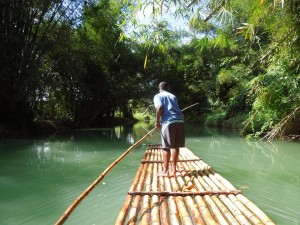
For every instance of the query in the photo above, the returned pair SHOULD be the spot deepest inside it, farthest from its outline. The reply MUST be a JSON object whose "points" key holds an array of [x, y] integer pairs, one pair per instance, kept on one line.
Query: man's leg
{"points": [[166, 160], [175, 154], [178, 141]]}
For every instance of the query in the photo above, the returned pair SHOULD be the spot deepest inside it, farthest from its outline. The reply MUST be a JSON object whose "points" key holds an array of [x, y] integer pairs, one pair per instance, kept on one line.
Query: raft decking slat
{"points": [[196, 195], [161, 161], [173, 193]]}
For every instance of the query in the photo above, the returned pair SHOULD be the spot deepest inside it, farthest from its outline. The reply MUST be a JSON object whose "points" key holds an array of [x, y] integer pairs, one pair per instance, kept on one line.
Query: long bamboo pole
{"points": [[70, 209]]}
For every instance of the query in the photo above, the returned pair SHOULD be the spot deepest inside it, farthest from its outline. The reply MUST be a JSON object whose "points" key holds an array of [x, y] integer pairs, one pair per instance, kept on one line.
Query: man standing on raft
{"points": [[170, 118]]}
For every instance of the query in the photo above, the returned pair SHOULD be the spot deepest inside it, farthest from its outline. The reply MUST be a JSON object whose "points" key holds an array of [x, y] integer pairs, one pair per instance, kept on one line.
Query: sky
{"points": [[176, 23]]}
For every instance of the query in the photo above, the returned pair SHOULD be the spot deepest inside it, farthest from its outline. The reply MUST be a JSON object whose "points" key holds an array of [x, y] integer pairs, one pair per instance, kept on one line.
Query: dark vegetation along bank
{"points": [[82, 63]]}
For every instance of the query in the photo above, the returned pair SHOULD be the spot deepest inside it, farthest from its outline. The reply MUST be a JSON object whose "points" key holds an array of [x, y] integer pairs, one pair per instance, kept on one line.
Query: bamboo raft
{"points": [[196, 195]]}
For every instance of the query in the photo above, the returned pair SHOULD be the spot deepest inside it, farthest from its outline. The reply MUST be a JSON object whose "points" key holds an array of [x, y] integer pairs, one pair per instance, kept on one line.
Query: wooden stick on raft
{"points": [[66, 214]]}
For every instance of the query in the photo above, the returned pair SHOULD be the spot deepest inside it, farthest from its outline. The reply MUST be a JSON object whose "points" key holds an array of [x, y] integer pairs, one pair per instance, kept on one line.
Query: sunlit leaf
{"points": [[145, 62]]}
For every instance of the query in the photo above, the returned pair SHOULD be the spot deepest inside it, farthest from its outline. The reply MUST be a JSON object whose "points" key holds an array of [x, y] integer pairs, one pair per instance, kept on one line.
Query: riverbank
{"points": [[48, 127]]}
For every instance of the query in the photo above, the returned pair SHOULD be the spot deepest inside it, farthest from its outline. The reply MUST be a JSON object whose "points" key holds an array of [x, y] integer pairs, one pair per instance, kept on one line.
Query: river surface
{"points": [[41, 177]]}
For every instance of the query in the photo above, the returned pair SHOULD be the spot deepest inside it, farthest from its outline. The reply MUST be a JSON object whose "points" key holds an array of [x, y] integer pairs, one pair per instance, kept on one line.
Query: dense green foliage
{"points": [[83, 62]]}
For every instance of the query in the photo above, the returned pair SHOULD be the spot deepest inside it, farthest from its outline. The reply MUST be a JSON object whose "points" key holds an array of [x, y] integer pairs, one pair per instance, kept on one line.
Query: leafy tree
{"points": [[25, 30]]}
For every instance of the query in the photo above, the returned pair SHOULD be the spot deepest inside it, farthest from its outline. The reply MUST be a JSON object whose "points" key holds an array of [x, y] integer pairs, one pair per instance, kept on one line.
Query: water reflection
{"points": [[55, 147]]}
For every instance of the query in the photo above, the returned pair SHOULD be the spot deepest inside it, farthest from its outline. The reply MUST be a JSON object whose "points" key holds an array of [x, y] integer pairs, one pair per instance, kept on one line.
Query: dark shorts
{"points": [[172, 136]]}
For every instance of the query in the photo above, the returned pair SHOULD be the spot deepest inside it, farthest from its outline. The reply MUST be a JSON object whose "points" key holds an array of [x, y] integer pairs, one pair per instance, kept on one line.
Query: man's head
{"points": [[163, 86]]}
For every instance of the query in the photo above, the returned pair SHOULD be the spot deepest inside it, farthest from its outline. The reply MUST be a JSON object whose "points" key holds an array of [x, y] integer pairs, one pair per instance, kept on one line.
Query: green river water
{"points": [[41, 177]]}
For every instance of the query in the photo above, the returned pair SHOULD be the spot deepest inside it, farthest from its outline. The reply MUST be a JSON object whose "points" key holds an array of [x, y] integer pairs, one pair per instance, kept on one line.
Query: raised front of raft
{"points": [[195, 195]]}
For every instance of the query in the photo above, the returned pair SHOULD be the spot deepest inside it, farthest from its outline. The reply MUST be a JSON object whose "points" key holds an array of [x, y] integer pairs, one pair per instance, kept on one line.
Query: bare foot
{"points": [[163, 174], [177, 173], [180, 168]]}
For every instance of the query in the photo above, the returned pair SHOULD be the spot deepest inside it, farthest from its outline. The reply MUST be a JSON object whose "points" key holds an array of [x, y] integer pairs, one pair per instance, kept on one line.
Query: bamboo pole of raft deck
{"points": [[227, 214], [212, 206], [202, 207], [66, 214], [238, 211], [193, 203], [237, 215], [172, 207], [196, 216], [249, 209], [155, 217], [183, 213], [248, 214], [163, 199], [243, 215], [124, 210], [250, 206], [133, 212], [145, 208]]}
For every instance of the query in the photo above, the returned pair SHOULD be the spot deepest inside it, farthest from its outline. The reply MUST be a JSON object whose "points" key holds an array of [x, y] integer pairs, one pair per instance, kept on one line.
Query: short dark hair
{"points": [[163, 85]]}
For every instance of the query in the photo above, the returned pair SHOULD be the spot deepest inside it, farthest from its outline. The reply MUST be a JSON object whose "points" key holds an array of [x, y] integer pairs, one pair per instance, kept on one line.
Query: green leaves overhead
{"points": [[247, 30]]}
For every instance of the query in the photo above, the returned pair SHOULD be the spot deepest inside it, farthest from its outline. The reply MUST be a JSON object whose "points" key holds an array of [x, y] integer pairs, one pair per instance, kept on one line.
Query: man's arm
{"points": [[159, 113]]}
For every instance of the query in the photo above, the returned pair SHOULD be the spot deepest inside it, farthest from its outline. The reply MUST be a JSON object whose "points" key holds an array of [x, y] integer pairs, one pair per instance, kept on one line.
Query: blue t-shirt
{"points": [[171, 111]]}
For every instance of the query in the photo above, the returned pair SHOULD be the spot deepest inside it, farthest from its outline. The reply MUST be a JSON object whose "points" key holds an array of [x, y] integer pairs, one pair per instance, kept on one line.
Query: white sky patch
{"points": [[145, 16]]}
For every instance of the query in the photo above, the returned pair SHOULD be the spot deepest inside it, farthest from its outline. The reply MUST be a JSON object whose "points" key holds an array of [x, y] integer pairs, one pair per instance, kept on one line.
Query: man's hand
{"points": [[159, 113], [157, 124]]}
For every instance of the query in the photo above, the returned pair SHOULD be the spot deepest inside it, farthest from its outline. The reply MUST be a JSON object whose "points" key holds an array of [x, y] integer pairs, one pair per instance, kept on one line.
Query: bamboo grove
{"points": [[80, 62]]}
